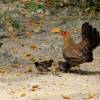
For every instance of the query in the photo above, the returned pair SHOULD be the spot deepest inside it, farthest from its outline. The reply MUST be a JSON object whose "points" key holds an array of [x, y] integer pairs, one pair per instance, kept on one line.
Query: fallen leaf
{"points": [[66, 97], [29, 70], [18, 74], [37, 29], [29, 34], [12, 92], [14, 50], [27, 55], [90, 96], [2, 71], [34, 87], [15, 65], [17, 93], [21, 94], [55, 30], [33, 46], [32, 59], [10, 29]]}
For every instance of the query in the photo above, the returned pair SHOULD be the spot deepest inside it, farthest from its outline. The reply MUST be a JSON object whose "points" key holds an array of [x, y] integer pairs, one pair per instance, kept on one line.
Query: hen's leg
{"points": [[80, 71], [67, 67], [64, 66]]}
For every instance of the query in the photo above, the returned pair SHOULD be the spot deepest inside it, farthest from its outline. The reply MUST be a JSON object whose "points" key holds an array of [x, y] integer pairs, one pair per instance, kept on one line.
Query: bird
{"points": [[43, 65], [54, 68], [63, 66], [82, 52]]}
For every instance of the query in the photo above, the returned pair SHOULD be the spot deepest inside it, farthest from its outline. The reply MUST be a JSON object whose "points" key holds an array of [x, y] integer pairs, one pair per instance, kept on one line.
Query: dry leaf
{"points": [[18, 74], [11, 29], [34, 87], [90, 96], [12, 92], [55, 30], [15, 65], [23, 95], [17, 93], [33, 46], [37, 29], [2, 71], [14, 50], [29, 70], [29, 34], [27, 55], [32, 59], [66, 97]]}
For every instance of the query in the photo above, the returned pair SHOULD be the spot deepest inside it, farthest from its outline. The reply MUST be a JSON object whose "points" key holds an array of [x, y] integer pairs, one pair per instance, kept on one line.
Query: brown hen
{"points": [[76, 54]]}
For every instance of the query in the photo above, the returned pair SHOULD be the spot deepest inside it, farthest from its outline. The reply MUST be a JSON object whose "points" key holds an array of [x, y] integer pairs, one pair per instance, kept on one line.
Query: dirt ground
{"points": [[19, 78]]}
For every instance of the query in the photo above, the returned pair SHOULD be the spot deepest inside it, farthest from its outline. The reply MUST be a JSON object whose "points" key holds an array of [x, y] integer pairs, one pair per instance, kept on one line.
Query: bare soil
{"points": [[19, 78]]}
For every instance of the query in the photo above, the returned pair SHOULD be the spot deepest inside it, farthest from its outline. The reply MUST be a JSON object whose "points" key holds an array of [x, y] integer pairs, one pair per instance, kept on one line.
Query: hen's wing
{"points": [[75, 56]]}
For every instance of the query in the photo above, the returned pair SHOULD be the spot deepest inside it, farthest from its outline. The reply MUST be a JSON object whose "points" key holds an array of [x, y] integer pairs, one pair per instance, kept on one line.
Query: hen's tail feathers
{"points": [[90, 34]]}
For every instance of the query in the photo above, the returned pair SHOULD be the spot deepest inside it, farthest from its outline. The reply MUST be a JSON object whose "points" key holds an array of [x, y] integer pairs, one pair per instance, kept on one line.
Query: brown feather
{"points": [[76, 54]]}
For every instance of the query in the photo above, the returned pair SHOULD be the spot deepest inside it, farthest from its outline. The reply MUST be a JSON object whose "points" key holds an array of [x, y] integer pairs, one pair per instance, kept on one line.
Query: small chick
{"points": [[39, 67], [54, 68], [44, 65]]}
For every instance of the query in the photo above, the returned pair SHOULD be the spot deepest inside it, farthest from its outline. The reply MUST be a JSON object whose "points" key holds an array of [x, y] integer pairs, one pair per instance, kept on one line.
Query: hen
{"points": [[76, 54]]}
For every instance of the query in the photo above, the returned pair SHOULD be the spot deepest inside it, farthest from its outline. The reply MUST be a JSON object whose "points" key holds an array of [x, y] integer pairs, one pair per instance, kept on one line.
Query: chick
{"points": [[54, 68], [44, 65]]}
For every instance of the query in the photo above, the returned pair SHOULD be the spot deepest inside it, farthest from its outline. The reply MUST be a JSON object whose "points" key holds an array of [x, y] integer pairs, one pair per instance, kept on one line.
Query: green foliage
{"points": [[64, 19], [1, 20], [57, 4], [14, 22], [2, 17], [7, 1], [89, 6], [20, 6], [97, 4], [33, 6]]}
